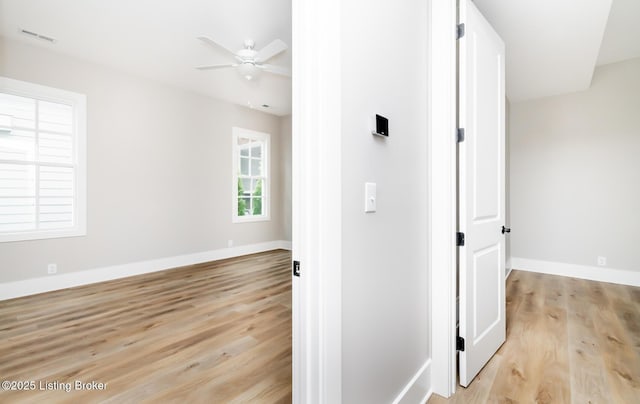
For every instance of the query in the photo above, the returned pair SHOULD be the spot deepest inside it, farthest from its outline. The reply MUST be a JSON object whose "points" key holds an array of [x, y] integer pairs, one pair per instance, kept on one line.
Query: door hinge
{"points": [[460, 239], [296, 268], [459, 343], [460, 31], [460, 135]]}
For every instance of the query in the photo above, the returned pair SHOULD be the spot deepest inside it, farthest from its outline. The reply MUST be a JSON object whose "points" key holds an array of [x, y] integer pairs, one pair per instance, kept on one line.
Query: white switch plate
{"points": [[370, 197], [602, 261], [52, 268]]}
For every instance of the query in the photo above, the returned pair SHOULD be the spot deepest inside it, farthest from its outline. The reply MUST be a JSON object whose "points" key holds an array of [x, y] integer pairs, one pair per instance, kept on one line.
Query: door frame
{"points": [[316, 202], [443, 104], [316, 181]]}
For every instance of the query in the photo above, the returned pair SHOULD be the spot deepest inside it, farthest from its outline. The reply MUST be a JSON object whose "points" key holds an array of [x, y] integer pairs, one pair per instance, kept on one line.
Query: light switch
{"points": [[369, 197]]}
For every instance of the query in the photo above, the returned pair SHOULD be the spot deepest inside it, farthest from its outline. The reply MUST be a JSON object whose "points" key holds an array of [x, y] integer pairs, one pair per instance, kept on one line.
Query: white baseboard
{"points": [[418, 390], [10, 290], [592, 273]]}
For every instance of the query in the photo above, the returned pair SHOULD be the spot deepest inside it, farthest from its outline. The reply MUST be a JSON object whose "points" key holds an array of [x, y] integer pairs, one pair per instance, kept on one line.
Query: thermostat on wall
{"points": [[382, 126]]}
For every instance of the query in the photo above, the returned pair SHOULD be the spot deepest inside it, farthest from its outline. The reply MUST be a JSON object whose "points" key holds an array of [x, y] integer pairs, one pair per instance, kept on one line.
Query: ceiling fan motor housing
{"points": [[247, 54]]}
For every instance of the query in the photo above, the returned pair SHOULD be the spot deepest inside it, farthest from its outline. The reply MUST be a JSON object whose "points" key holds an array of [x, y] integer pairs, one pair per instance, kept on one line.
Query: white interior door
{"points": [[481, 192]]}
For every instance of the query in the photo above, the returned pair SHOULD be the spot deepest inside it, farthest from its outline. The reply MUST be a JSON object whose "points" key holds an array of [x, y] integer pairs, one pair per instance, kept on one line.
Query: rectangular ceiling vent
{"points": [[35, 35]]}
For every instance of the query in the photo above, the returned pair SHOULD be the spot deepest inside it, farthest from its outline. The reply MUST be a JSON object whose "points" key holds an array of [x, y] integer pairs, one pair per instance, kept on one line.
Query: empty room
{"points": [[337, 201], [136, 138]]}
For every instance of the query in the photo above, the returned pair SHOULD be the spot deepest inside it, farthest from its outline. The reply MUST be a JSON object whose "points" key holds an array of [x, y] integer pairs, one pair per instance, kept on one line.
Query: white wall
{"points": [[159, 169], [285, 175], [575, 173], [385, 298]]}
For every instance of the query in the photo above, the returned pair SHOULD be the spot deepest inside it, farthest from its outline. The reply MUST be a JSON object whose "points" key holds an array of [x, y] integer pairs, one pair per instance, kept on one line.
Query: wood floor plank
{"points": [[628, 312], [554, 385], [568, 341], [620, 359], [587, 373], [519, 377], [211, 332]]}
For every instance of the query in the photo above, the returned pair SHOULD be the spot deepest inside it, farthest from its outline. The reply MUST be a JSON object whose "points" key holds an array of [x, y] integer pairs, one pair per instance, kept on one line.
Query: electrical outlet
{"points": [[602, 261], [52, 268], [230, 243]]}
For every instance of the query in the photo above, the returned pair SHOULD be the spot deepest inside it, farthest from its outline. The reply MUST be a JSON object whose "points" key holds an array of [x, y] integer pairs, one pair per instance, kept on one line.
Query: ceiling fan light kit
{"points": [[250, 62], [248, 70]]}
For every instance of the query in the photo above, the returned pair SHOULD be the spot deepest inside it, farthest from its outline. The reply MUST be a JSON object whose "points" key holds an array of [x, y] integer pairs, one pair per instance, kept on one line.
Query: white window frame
{"points": [[79, 104], [266, 184]]}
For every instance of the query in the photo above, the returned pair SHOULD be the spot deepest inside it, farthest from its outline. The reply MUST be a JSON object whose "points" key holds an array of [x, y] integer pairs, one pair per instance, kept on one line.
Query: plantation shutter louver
{"points": [[37, 164]]}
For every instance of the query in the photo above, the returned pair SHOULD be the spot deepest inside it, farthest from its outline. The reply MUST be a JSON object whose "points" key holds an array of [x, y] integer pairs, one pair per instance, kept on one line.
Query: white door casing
{"points": [[443, 192], [481, 192], [316, 202]]}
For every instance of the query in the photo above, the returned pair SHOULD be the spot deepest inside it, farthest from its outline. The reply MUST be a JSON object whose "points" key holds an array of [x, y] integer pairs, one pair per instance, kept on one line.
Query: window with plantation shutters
{"points": [[250, 184], [42, 162]]}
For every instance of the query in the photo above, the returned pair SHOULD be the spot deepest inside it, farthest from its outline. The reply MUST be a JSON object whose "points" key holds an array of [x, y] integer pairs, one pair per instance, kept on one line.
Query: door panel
{"points": [[481, 192], [486, 311]]}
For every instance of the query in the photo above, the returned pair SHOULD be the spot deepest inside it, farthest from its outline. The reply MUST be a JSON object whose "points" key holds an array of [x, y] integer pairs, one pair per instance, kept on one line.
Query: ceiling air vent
{"points": [[35, 35]]}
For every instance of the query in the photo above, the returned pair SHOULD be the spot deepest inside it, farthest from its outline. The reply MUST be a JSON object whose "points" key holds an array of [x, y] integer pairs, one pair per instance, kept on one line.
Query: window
{"points": [[42, 162], [250, 175]]}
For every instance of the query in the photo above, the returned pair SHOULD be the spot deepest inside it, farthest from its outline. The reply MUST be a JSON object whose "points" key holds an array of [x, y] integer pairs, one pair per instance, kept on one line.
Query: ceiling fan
{"points": [[250, 62]]}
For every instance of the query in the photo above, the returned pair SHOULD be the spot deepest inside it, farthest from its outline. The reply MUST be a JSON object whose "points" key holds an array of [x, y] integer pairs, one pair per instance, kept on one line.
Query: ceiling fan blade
{"points": [[215, 44], [282, 71], [212, 67], [271, 50]]}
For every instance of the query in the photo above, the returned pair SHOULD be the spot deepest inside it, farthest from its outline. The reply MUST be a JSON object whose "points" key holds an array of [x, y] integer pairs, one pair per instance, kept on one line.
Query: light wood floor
{"points": [[568, 341], [214, 333]]}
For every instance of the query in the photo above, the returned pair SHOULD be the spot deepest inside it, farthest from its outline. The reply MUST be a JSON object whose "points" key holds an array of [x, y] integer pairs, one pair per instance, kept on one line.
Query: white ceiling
{"points": [[551, 45], [622, 36], [554, 46], [157, 40]]}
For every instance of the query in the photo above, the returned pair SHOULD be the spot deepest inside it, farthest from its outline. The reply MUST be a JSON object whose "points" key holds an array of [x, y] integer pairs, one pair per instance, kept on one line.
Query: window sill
{"points": [[41, 235], [250, 219]]}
